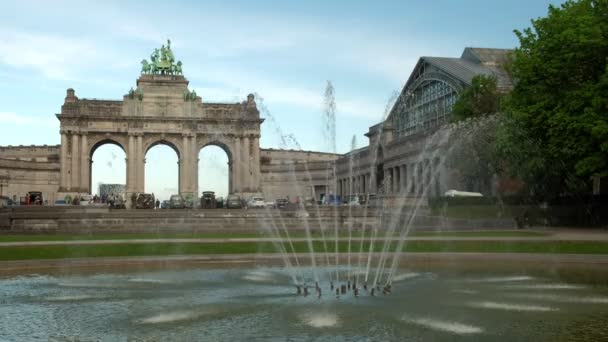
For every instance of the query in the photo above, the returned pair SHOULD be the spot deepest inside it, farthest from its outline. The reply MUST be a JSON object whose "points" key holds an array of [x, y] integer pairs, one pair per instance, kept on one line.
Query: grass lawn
{"points": [[218, 235], [155, 249]]}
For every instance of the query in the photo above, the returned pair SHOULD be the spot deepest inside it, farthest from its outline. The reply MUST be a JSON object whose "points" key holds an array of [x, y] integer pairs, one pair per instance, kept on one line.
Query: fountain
{"points": [[370, 294]]}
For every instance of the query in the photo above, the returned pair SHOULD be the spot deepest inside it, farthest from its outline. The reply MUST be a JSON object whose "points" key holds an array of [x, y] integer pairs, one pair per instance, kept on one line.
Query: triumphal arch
{"points": [[161, 109]]}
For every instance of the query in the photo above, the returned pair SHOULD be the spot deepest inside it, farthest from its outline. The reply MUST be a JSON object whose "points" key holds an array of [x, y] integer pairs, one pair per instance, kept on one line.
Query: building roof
{"points": [[472, 62]]}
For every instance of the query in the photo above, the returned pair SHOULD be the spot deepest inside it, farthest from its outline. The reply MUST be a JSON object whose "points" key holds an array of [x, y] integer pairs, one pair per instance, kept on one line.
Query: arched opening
{"points": [[108, 169], [162, 170], [214, 170]]}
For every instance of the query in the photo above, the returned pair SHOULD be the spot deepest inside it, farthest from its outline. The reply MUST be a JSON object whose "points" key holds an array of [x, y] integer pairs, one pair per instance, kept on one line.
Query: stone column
{"points": [[140, 165], [362, 181], [196, 161], [428, 176], [393, 180], [64, 162], [230, 177], [256, 164], [131, 181], [85, 164], [403, 178], [397, 185], [372, 181], [419, 178], [363, 185], [246, 161], [75, 169], [184, 166], [387, 181], [412, 189], [236, 166]]}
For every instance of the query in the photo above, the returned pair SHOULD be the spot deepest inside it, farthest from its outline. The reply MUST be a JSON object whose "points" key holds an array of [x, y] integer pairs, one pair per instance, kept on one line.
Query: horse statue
{"points": [[145, 66], [153, 68], [154, 57], [177, 68]]}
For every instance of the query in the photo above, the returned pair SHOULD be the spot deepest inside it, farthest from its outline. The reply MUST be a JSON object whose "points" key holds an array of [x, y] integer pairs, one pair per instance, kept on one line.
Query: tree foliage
{"points": [[473, 152], [481, 98], [555, 134]]}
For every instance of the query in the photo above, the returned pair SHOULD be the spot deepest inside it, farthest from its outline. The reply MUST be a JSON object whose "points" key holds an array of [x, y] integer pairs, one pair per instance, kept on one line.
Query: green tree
{"points": [[481, 98], [473, 151], [555, 134]]}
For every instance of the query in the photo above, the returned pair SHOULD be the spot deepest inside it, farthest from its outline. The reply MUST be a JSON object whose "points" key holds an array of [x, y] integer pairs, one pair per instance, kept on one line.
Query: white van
{"points": [[456, 193]]}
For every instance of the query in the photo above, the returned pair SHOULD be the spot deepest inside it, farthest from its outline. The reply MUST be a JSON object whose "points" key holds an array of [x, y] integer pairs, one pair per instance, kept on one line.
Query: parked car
{"points": [[119, 203], [234, 202], [5, 202], [144, 201], [281, 203], [353, 200], [456, 193], [208, 200], [86, 199], [373, 200], [269, 204], [177, 202], [60, 202], [165, 204], [332, 200], [256, 202]]}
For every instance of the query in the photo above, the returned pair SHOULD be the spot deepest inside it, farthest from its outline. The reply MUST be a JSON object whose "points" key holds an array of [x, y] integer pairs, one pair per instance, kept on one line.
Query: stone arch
{"points": [[227, 146], [155, 141], [224, 146], [97, 142], [173, 143]]}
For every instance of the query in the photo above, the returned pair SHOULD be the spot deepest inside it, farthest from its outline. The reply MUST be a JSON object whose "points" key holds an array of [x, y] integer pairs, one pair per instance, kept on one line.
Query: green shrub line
{"points": [[166, 249]]}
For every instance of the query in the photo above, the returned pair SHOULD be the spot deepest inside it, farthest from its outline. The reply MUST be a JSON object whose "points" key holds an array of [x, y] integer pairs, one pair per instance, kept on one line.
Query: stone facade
{"points": [[29, 168], [159, 111], [405, 154], [297, 174]]}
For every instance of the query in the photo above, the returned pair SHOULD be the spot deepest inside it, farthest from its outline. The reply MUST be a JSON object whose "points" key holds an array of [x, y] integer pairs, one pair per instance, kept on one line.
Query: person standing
{"points": [[157, 203]]}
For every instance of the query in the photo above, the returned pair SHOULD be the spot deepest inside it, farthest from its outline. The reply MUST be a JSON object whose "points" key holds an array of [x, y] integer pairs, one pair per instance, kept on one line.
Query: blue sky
{"points": [[283, 50]]}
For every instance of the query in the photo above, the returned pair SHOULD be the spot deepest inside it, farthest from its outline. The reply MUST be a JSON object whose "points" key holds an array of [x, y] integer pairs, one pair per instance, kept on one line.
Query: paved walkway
{"points": [[557, 235]]}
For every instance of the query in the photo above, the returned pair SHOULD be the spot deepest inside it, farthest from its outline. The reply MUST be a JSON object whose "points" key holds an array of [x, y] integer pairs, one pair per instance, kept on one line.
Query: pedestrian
{"points": [[157, 203]]}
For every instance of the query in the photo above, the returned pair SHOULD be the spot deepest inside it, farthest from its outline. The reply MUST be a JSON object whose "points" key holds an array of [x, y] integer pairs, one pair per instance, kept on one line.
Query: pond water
{"points": [[260, 304]]}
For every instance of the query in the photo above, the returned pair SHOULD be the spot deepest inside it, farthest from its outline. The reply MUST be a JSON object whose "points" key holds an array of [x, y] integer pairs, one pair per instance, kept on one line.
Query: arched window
{"points": [[428, 105]]}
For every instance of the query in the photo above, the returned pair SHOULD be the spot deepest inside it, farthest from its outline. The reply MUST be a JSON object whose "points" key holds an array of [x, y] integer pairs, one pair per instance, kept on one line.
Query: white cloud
{"points": [[10, 118], [54, 56], [234, 86]]}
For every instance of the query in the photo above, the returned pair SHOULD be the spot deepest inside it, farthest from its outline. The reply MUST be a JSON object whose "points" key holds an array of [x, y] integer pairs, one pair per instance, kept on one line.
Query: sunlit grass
{"points": [[161, 249]]}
